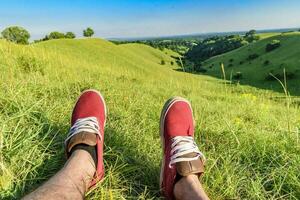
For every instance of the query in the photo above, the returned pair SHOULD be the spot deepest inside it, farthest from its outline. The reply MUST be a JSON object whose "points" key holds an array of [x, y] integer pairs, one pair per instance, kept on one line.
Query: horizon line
{"points": [[198, 34]]}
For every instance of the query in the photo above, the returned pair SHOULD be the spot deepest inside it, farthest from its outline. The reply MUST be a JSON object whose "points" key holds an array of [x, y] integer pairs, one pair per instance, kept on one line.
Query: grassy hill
{"points": [[256, 71], [251, 140], [267, 35]]}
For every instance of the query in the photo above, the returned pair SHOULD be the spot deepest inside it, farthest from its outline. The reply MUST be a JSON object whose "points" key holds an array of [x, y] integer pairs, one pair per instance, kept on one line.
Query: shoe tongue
{"points": [[186, 168], [82, 138]]}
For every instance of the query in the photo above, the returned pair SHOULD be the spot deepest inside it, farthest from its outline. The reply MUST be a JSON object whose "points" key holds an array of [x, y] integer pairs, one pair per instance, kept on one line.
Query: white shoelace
{"points": [[182, 145], [88, 124]]}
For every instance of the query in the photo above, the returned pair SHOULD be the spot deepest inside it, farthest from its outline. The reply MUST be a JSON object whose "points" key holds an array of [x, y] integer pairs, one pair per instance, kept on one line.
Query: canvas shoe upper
{"points": [[181, 155], [87, 127]]}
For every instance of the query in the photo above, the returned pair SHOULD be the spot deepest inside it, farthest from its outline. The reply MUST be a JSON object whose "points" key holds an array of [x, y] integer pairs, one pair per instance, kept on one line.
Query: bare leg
{"points": [[71, 182], [189, 187]]}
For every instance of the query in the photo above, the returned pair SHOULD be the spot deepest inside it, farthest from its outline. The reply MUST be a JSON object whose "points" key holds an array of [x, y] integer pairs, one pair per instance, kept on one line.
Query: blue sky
{"points": [[139, 18]]}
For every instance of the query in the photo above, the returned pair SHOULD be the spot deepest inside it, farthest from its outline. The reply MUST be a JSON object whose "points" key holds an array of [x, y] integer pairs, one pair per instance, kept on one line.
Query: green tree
{"points": [[251, 36], [272, 45], [56, 35], [89, 32], [70, 35], [16, 34], [251, 32]]}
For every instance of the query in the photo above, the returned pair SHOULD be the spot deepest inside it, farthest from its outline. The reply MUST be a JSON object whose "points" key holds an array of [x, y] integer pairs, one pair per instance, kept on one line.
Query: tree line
{"points": [[20, 35], [214, 46], [180, 46]]}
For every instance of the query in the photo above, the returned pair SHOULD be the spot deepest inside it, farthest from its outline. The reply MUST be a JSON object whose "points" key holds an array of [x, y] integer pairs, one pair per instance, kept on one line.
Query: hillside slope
{"points": [[251, 140], [256, 71]]}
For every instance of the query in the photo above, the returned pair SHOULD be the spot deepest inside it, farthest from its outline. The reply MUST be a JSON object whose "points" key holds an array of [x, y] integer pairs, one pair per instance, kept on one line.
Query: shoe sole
{"points": [[163, 115]]}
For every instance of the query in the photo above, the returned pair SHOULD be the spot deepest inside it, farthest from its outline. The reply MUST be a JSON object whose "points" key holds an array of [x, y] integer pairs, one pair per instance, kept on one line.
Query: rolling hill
{"points": [[256, 71], [251, 140]]}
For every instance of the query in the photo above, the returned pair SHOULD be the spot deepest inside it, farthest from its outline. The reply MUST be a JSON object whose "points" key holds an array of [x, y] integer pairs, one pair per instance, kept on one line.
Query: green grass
{"points": [[255, 72], [251, 138], [267, 35]]}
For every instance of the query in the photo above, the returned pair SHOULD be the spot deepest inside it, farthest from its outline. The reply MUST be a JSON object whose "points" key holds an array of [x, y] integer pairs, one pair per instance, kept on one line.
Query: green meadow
{"points": [[249, 135], [283, 61]]}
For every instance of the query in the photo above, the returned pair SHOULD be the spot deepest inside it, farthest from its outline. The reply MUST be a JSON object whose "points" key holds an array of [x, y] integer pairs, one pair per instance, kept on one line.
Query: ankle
{"points": [[92, 150], [189, 187], [81, 159], [80, 169]]}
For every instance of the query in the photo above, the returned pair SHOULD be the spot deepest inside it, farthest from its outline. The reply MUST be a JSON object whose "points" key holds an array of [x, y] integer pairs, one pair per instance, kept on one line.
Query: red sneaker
{"points": [[181, 155], [87, 127]]}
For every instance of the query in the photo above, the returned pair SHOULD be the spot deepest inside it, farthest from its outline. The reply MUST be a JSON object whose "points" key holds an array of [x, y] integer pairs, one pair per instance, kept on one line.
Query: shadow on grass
{"points": [[143, 175]]}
